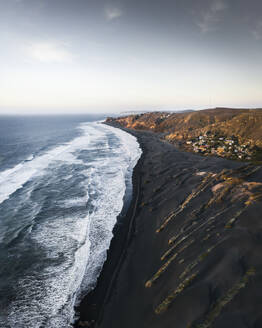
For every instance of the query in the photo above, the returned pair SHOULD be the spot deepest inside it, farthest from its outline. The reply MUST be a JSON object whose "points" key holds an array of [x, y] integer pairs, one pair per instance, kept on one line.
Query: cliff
{"points": [[243, 125], [193, 259], [192, 239]]}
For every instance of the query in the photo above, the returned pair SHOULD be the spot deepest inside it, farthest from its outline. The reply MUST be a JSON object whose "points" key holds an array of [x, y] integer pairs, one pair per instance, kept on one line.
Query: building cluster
{"points": [[221, 146]]}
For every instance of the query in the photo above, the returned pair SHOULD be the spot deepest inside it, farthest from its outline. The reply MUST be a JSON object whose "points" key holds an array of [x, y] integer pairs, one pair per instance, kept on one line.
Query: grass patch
{"points": [[199, 259], [162, 307], [253, 198], [203, 185], [163, 268], [174, 246]]}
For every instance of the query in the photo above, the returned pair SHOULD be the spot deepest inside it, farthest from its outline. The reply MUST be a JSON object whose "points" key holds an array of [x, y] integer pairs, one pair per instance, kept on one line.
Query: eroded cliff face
{"points": [[230, 133], [246, 124]]}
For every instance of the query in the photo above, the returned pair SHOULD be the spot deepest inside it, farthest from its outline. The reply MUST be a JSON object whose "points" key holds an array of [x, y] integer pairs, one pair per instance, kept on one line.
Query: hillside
{"points": [[190, 254], [242, 128], [185, 254]]}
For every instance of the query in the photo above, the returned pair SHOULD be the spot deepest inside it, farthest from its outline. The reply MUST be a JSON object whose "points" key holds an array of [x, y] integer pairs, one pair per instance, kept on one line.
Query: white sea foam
{"points": [[78, 201], [13, 179], [50, 294], [29, 158]]}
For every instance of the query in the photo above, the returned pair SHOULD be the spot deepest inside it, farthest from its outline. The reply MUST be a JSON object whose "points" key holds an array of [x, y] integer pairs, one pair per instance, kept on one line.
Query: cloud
{"points": [[257, 31], [211, 16], [112, 13], [48, 52]]}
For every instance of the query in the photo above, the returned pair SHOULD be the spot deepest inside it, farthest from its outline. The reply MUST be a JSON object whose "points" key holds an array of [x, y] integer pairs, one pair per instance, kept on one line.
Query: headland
{"points": [[187, 254]]}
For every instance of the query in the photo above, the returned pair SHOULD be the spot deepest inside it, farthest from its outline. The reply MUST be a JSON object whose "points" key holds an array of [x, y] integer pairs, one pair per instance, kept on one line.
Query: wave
{"points": [[13, 179], [76, 238]]}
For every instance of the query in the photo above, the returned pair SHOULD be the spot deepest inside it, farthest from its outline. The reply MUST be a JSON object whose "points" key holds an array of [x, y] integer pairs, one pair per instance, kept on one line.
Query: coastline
{"points": [[163, 179], [90, 309]]}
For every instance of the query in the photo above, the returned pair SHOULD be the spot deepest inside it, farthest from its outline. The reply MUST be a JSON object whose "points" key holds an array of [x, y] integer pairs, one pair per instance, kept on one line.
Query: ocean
{"points": [[63, 182]]}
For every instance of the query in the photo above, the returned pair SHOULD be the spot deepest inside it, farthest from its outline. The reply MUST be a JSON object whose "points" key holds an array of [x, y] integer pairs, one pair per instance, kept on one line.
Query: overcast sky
{"points": [[97, 55]]}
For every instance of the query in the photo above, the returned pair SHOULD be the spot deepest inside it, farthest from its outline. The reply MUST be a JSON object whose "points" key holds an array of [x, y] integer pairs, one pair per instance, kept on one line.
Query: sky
{"points": [[70, 56]]}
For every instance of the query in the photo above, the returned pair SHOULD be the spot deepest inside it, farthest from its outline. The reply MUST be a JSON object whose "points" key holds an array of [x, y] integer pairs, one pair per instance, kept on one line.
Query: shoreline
{"points": [[139, 274], [90, 308]]}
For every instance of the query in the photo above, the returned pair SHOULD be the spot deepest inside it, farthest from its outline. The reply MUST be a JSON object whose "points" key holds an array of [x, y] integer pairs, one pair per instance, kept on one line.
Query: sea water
{"points": [[62, 185]]}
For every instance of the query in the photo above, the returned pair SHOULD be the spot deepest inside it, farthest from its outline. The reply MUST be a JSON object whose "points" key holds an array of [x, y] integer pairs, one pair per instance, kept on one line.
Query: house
{"points": [[220, 150], [229, 142]]}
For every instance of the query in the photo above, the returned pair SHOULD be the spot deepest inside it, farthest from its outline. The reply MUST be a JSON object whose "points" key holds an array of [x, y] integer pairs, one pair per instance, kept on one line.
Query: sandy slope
{"points": [[192, 258]]}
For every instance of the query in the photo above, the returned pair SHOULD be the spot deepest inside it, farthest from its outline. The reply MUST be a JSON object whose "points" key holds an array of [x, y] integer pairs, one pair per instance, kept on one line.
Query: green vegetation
{"points": [[203, 185], [254, 198], [231, 222], [199, 259], [162, 307], [163, 268]]}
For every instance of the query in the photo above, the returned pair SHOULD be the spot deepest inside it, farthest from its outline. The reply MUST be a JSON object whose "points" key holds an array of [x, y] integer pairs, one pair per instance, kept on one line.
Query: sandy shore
{"points": [[181, 256]]}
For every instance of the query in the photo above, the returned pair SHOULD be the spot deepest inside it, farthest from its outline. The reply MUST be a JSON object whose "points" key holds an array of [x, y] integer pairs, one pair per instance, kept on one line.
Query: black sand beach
{"points": [[187, 253]]}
